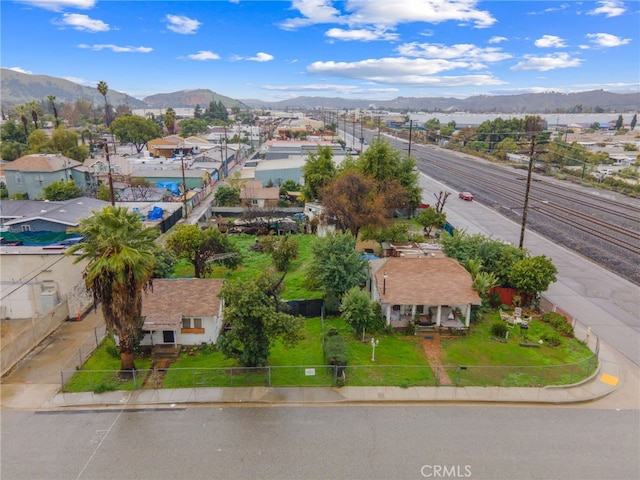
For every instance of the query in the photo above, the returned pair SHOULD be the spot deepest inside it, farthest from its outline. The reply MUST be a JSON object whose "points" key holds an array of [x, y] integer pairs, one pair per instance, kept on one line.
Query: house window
{"points": [[18, 178], [254, 202], [26, 228], [192, 325]]}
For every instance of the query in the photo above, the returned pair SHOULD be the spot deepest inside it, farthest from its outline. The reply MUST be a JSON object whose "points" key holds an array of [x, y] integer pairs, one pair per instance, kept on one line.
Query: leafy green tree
{"points": [[533, 275], [61, 190], [39, 142], [359, 311], [120, 254], [197, 112], [65, 141], [11, 150], [317, 172], [4, 193], [227, 196], [336, 267], [429, 218], [256, 320], [10, 131], [136, 130], [203, 247], [192, 126], [166, 261], [284, 252]]}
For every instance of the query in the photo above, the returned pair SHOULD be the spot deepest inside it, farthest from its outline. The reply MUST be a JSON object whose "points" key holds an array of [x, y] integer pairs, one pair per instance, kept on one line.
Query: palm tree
{"points": [[121, 258], [52, 101], [103, 88], [34, 115]]}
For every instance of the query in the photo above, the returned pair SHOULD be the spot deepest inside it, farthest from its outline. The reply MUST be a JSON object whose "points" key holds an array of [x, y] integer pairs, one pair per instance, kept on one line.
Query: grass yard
{"points": [[255, 262], [399, 361], [100, 372], [509, 364]]}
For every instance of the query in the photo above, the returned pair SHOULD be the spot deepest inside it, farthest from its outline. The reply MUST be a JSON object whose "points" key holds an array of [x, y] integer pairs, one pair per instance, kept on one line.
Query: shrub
{"points": [[551, 338], [499, 329], [495, 301], [559, 323], [335, 352], [104, 387]]}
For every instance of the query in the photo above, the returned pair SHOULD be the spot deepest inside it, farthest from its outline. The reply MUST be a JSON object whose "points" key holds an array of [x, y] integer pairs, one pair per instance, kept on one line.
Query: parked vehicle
{"points": [[466, 196]]}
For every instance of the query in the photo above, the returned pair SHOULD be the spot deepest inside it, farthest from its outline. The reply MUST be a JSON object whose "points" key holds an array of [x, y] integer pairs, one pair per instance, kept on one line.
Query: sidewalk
{"points": [[35, 384]]}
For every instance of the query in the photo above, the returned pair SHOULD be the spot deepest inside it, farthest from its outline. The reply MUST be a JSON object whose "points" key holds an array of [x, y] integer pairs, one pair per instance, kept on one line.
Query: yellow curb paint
{"points": [[610, 379]]}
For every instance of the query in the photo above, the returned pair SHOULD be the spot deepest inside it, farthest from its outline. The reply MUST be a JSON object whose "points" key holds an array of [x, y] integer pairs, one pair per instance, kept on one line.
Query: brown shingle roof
{"points": [[253, 190], [41, 162], [424, 281], [190, 297]]}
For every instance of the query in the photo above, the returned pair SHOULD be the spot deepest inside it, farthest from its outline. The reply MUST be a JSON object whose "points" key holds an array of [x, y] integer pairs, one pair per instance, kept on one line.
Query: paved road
{"points": [[322, 443]]}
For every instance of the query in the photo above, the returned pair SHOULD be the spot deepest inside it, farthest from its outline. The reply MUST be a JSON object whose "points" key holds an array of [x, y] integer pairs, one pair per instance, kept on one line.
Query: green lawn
{"points": [[399, 361], [254, 262]]}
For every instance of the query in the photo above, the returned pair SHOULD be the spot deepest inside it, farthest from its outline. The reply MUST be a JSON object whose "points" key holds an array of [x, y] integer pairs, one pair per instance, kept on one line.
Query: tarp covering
{"points": [[171, 186], [36, 239]]}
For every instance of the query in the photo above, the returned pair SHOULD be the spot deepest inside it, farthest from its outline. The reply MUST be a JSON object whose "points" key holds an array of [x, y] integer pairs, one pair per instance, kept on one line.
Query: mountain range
{"points": [[18, 88]]}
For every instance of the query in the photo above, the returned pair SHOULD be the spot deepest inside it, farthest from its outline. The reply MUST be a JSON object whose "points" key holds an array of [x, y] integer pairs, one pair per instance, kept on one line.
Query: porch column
{"points": [[388, 314], [467, 317], [438, 315], [175, 340], [414, 308]]}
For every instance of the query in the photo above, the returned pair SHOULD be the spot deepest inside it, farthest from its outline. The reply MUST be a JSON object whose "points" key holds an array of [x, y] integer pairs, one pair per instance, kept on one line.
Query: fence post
{"points": [[437, 376], [134, 379], [269, 375], [80, 356], [95, 333]]}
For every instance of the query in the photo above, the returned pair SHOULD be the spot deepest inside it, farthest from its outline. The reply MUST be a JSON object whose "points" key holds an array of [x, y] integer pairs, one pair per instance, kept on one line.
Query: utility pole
{"points": [[410, 130], [528, 189], [184, 186]]}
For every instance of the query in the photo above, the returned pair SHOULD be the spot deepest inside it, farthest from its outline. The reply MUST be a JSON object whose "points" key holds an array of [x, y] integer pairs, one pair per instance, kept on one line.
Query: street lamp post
{"points": [[374, 344]]}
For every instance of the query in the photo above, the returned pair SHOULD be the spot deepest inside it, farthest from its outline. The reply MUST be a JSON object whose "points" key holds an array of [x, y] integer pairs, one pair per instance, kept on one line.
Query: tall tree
{"points": [[634, 120], [25, 123], [317, 172], [533, 275], [203, 247], [34, 116], [619, 123], [52, 101], [336, 267], [170, 120], [120, 251], [103, 88], [353, 200], [429, 218], [136, 130], [253, 312]]}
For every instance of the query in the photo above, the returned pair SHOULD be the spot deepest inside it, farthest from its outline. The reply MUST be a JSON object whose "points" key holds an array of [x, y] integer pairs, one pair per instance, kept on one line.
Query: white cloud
{"points": [[609, 8], [548, 41], [547, 62], [258, 57], [182, 24], [403, 71], [204, 55], [115, 48], [463, 51], [314, 12], [607, 40], [363, 35], [498, 39], [82, 23], [385, 13], [59, 5]]}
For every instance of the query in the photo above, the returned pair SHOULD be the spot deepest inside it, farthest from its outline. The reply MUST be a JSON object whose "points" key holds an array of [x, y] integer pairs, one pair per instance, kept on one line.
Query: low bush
{"points": [[559, 323], [551, 338], [112, 351], [335, 352], [499, 329]]}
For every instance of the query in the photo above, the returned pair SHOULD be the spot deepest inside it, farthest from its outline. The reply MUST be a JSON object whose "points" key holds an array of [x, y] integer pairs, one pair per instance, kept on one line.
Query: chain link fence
{"points": [[329, 376]]}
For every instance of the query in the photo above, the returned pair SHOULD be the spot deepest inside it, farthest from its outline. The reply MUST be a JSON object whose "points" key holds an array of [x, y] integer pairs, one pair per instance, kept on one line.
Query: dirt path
{"points": [[434, 353]]}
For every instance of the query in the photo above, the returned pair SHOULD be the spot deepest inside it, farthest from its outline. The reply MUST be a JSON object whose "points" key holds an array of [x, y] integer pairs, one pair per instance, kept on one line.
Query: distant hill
{"points": [[191, 98], [17, 88], [524, 103]]}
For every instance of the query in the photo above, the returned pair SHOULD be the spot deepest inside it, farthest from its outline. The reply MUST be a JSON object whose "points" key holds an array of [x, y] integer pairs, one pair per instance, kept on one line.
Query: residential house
{"points": [[434, 291], [28, 175], [182, 311], [253, 194]]}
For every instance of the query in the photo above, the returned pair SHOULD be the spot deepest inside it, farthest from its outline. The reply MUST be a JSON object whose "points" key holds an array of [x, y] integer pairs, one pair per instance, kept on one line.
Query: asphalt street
{"points": [[405, 442]]}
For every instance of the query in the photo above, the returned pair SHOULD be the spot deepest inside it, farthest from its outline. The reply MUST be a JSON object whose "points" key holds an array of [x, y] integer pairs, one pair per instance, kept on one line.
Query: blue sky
{"points": [[369, 49]]}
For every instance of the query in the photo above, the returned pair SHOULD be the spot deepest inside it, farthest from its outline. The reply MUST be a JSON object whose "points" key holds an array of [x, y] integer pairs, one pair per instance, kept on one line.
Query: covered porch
{"points": [[455, 316], [161, 330]]}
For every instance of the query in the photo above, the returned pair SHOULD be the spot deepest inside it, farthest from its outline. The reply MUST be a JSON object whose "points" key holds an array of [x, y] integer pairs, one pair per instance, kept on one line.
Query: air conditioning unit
{"points": [[49, 299]]}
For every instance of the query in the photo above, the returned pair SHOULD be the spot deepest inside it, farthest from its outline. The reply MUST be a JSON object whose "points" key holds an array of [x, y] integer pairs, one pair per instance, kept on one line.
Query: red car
{"points": [[466, 196]]}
